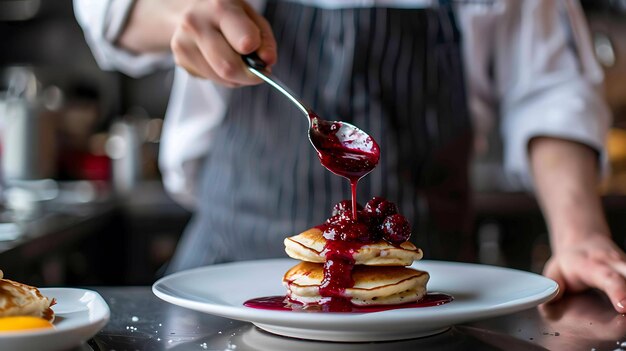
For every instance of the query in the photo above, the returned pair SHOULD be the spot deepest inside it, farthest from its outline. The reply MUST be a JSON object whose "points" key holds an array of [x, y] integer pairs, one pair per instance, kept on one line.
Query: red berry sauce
{"points": [[282, 303], [344, 152], [351, 155]]}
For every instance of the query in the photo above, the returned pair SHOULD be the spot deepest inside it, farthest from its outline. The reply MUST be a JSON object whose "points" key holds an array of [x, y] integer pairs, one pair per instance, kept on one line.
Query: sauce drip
{"points": [[282, 303], [350, 153], [337, 277], [345, 151]]}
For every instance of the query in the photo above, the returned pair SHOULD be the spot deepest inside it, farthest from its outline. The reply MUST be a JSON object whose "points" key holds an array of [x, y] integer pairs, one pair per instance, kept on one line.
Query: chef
{"points": [[423, 77]]}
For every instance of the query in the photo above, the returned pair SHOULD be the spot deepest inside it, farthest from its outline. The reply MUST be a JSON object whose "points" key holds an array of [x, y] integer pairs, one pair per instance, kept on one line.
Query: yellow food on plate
{"points": [[23, 323], [21, 300]]}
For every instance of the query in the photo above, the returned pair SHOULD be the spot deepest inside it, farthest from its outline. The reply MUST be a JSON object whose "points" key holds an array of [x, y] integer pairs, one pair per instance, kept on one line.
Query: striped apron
{"points": [[395, 73]]}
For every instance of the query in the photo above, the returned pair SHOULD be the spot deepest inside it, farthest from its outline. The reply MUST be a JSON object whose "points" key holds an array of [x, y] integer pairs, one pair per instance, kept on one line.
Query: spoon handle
{"points": [[253, 60], [258, 68]]}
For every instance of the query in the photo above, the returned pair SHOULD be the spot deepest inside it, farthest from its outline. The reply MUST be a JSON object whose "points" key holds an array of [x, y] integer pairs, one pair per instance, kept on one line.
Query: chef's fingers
{"points": [[607, 253], [613, 256], [188, 56], [604, 277], [240, 31], [214, 46], [553, 271], [267, 50], [223, 59], [619, 266]]}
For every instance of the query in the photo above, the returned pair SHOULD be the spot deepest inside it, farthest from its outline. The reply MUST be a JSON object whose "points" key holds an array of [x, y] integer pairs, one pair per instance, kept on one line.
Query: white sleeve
{"points": [[196, 107], [548, 81], [102, 22]]}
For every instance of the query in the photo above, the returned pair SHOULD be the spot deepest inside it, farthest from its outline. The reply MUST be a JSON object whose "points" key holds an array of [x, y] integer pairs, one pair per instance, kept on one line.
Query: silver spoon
{"points": [[341, 147]]}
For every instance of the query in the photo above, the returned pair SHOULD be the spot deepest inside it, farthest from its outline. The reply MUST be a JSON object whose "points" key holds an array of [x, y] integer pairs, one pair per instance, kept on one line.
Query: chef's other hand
{"points": [[594, 263], [213, 34]]}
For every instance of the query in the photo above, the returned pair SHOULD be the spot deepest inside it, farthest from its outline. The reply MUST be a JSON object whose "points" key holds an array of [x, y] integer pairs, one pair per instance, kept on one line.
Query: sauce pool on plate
{"points": [[282, 303]]}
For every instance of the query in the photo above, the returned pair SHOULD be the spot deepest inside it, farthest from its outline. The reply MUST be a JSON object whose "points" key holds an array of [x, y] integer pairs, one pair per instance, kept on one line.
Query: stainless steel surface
{"points": [[140, 321]]}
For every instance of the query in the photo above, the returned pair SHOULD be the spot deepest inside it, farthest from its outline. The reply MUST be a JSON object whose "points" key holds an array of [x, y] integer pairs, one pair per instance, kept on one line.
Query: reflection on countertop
{"points": [[139, 320], [85, 234], [36, 208]]}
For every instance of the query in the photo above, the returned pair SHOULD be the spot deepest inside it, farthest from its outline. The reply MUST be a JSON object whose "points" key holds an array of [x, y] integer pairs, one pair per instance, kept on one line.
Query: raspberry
{"points": [[342, 218], [396, 229], [335, 226], [373, 224], [342, 227], [380, 207], [355, 232], [332, 232], [344, 206]]}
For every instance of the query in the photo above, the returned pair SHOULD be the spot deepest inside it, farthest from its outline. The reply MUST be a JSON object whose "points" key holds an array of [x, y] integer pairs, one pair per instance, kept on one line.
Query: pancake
{"points": [[309, 246], [373, 285], [18, 299]]}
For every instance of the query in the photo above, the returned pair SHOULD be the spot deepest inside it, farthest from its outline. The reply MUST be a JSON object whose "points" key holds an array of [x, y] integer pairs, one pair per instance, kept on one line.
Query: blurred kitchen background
{"points": [[81, 198]]}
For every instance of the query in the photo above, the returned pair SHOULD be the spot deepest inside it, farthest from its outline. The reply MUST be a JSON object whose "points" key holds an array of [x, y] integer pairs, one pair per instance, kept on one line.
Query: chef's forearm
{"points": [[151, 24], [566, 177]]}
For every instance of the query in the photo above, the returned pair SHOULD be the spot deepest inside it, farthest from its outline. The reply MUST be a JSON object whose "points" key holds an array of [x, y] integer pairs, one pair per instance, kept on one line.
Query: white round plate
{"points": [[479, 291], [79, 315]]}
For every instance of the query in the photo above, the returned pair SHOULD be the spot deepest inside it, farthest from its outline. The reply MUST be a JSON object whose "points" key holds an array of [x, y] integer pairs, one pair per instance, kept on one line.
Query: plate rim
{"points": [[101, 321], [319, 319]]}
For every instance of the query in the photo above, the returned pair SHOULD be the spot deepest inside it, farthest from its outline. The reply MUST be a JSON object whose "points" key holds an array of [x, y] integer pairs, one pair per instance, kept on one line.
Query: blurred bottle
{"points": [[28, 128], [124, 149]]}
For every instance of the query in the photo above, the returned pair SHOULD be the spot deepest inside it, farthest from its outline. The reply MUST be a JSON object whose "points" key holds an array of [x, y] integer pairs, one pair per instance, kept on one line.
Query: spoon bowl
{"points": [[341, 147]]}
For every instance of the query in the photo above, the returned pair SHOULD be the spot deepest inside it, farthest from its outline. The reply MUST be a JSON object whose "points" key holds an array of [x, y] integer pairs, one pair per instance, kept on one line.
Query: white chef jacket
{"points": [[528, 62]]}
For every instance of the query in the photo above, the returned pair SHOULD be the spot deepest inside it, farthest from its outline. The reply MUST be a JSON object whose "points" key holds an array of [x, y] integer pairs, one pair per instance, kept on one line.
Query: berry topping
{"points": [[379, 219], [355, 232], [380, 207], [332, 231], [373, 224], [344, 206], [347, 230], [396, 229], [343, 218]]}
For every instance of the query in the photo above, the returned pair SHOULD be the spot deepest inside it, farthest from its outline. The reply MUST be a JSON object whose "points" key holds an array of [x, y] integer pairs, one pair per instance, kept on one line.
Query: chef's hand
{"points": [[594, 263], [584, 256], [212, 35]]}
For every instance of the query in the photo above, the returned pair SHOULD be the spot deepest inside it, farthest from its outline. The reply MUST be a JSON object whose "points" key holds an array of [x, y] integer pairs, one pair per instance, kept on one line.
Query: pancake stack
{"points": [[377, 267]]}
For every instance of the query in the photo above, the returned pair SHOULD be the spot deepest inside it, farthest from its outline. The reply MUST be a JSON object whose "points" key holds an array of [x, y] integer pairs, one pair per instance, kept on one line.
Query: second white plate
{"points": [[79, 315], [479, 291]]}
